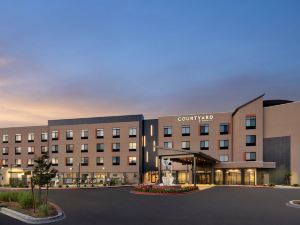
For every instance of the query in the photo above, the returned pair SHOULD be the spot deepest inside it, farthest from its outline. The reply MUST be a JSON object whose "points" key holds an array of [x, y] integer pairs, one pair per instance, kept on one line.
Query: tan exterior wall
{"points": [[283, 120], [240, 131]]}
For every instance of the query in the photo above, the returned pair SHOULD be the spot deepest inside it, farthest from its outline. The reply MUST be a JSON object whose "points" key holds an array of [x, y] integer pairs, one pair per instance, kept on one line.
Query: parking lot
{"points": [[215, 206]]}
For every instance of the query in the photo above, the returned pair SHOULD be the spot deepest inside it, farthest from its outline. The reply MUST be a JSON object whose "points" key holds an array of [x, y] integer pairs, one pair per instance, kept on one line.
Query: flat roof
{"points": [[92, 120]]}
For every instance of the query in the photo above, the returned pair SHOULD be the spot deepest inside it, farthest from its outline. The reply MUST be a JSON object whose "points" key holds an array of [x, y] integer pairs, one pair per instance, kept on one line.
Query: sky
{"points": [[85, 58]]}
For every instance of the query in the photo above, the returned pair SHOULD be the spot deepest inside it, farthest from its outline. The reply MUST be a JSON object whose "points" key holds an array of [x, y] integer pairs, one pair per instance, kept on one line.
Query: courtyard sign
{"points": [[199, 118]]}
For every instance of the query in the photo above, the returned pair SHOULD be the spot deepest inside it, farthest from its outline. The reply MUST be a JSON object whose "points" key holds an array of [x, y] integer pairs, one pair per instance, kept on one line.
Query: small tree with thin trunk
{"points": [[42, 175]]}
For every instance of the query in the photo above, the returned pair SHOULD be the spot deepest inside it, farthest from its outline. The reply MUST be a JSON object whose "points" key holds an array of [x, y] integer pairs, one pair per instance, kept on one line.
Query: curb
{"points": [[293, 204], [161, 194], [33, 220], [67, 188]]}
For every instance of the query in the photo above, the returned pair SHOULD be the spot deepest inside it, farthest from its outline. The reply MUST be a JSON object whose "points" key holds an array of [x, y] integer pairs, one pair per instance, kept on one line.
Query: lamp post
{"points": [[78, 183]]}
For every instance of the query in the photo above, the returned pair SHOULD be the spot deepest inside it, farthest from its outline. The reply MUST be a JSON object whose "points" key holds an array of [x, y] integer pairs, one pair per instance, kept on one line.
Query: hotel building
{"points": [[257, 143]]}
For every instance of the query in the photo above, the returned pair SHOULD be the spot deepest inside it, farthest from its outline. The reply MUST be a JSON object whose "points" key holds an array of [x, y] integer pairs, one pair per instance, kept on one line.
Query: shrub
{"points": [[25, 200], [43, 210], [9, 196], [296, 185]]}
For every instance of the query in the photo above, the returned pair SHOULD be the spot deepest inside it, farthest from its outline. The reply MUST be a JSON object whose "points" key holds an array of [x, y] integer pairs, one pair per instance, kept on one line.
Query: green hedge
{"points": [[161, 189], [23, 198]]}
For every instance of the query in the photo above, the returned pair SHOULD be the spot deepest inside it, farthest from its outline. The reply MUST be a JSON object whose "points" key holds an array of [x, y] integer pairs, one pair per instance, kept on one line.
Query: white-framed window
{"points": [[5, 138], [69, 134], [132, 132], [44, 136], [116, 147], [5, 151], [30, 162], [5, 162], [185, 145], [224, 158], [116, 132], [54, 161], [69, 161], [132, 160], [54, 135], [54, 148], [31, 137], [168, 144], [100, 133], [30, 150], [18, 150], [44, 149], [84, 148], [132, 146], [18, 138], [84, 161], [18, 162], [84, 134], [99, 161]]}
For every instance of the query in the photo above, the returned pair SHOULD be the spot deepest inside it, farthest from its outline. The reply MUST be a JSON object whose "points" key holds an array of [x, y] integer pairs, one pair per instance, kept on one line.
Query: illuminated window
{"points": [[18, 138], [116, 132], [147, 157], [18, 150], [44, 149], [5, 151], [5, 138], [151, 130], [44, 137], [131, 160], [30, 150], [4, 162], [100, 133], [132, 146], [156, 161], [84, 148], [185, 145], [30, 162], [54, 135], [31, 137], [54, 162], [154, 146], [18, 162]]}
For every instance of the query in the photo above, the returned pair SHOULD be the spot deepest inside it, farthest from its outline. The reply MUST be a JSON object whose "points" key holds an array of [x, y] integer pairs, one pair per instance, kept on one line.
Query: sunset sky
{"points": [[84, 58]]}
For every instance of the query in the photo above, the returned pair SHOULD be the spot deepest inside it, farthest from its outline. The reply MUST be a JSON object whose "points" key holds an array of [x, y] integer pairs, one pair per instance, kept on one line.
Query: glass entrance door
{"points": [[203, 177]]}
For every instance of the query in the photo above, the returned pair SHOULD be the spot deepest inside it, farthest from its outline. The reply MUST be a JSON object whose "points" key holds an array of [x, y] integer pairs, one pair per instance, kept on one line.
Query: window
{"points": [[100, 147], [69, 148], [204, 129], [30, 162], [168, 144], [4, 162], [250, 156], [84, 148], [54, 135], [54, 161], [116, 160], [116, 132], [132, 132], [185, 145], [84, 161], [250, 140], [5, 151], [5, 138], [30, 150], [204, 145], [131, 160], [168, 131], [250, 122], [69, 135], [99, 161], [224, 144], [18, 162], [31, 137], [144, 141], [84, 134], [44, 149], [151, 130], [185, 130], [18, 138], [100, 133], [18, 150], [147, 156], [224, 128], [69, 161], [44, 137], [224, 158], [132, 146], [154, 146], [116, 147], [54, 148]]}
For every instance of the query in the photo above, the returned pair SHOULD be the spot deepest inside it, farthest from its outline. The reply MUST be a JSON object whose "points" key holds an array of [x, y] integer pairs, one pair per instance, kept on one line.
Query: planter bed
{"points": [[162, 190]]}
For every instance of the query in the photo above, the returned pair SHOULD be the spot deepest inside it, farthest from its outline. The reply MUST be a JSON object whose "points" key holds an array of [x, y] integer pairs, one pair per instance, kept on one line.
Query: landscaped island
{"points": [[23, 202], [157, 189]]}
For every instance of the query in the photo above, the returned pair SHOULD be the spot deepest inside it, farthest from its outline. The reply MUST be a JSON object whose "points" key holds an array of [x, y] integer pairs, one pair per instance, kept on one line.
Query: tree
{"points": [[42, 175]]}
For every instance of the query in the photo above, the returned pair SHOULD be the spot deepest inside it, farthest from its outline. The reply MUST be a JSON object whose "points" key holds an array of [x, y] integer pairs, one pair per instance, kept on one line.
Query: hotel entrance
{"points": [[233, 177], [203, 177], [249, 177]]}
